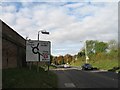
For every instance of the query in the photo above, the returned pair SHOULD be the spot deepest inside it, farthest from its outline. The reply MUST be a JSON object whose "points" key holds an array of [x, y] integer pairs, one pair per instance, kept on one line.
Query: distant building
{"points": [[13, 48]]}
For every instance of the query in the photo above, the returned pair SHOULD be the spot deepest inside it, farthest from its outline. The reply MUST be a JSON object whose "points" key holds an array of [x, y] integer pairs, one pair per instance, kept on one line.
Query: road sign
{"points": [[38, 50]]}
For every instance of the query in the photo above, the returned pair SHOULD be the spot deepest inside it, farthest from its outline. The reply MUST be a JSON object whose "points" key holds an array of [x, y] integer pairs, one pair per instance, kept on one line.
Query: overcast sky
{"points": [[68, 22]]}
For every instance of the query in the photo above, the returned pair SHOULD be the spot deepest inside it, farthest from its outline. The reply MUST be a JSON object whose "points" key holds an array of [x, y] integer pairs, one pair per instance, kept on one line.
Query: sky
{"points": [[68, 22]]}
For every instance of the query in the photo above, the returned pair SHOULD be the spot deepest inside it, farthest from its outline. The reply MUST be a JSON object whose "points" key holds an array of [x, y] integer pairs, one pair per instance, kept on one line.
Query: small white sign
{"points": [[38, 50]]}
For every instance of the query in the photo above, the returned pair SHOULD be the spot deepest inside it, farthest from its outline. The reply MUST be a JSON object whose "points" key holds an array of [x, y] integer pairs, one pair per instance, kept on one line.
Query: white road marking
{"points": [[64, 69], [69, 85], [98, 71]]}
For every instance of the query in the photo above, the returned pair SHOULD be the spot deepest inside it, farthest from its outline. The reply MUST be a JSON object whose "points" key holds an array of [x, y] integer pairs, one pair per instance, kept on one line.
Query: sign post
{"points": [[38, 51]]}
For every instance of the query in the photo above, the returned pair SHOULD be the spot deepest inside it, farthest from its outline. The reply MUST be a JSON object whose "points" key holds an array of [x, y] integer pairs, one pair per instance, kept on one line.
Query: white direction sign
{"points": [[38, 50]]}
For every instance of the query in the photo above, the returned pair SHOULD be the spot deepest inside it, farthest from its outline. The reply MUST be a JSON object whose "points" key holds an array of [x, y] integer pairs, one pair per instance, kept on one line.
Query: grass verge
{"points": [[25, 78], [101, 64]]}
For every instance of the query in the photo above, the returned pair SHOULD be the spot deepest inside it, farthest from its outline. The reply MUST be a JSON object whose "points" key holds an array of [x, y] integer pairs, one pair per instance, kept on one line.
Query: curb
{"points": [[103, 70]]}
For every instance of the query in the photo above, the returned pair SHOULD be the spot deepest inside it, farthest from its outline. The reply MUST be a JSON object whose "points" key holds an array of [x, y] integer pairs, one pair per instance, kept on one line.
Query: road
{"points": [[76, 78]]}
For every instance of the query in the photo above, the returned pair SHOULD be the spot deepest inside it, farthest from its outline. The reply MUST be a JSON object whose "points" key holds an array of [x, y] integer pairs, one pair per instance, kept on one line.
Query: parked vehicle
{"points": [[87, 66], [66, 65]]}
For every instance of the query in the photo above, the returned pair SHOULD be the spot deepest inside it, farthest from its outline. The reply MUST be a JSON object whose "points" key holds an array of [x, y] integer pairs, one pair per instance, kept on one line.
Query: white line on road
{"points": [[69, 85], [98, 71]]}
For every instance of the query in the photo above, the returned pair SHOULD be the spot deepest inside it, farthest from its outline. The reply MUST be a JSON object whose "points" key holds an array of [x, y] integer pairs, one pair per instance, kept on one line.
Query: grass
{"points": [[105, 64], [52, 67], [46, 67], [25, 78]]}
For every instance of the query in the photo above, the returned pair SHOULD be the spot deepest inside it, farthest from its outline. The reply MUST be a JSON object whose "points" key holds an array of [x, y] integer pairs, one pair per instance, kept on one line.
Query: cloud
{"points": [[9, 9], [8, 17], [74, 5], [60, 1], [68, 23]]}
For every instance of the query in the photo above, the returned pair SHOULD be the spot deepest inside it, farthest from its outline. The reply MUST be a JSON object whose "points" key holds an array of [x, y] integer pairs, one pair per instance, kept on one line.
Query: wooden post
{"points": [[37, 66], [48, 65], [30, 65]]}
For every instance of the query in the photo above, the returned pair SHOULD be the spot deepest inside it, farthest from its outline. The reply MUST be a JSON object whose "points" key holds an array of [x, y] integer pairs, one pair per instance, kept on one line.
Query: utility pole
{"points": [[87, 58]]}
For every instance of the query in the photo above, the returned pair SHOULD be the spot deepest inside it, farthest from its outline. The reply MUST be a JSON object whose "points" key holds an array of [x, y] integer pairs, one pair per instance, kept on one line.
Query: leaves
{"points": [[94, 46]]}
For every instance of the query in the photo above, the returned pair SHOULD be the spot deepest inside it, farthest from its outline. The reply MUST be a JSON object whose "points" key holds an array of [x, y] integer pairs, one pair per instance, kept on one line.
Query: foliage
{"points": [[113, 45], [67, 58], [103, 55], [81, 53], [96, 46], [62, 59], [92, 47], [100, 47]]}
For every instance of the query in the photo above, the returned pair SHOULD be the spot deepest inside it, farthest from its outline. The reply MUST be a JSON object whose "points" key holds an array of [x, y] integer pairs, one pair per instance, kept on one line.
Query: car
{"points": [[86, 66], [66, 65]]}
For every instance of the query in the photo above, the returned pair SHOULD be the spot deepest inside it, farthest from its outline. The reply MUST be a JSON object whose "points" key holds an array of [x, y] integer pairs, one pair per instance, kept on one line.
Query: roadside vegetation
{"points": [[99, 63], [103, 55], [26, 78]]}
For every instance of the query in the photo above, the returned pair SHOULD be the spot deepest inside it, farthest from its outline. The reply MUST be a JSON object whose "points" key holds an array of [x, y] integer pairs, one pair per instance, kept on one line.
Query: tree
{"points": [[101, 47], [96, 46], [113, 45], [92, 47], [81, 53], [60, 59], [113, 48], [67, 58]]}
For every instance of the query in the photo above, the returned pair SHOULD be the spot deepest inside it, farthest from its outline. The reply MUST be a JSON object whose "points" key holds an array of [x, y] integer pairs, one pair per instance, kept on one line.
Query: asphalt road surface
{"points": [[76, 78]]}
